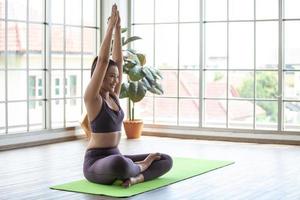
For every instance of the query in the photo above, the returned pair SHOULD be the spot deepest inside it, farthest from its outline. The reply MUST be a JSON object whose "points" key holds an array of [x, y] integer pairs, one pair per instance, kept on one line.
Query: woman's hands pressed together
{"points": [[113, 20]]}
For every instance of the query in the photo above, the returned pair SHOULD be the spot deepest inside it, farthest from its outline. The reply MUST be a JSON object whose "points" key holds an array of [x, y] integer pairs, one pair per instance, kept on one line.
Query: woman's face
{"points": [[111, 79]]}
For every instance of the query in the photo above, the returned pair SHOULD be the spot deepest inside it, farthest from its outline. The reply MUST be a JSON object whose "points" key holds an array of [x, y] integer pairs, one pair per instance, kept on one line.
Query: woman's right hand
{"points": [[113, 17]]}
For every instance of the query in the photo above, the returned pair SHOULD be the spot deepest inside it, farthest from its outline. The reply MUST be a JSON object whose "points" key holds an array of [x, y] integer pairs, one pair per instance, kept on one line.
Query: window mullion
{"points": [[280, 68], [201, 63]]}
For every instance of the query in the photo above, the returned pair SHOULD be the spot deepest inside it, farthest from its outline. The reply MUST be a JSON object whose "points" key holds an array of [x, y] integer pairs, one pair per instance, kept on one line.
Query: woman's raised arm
{"points": [[94, 86], [117, 53]]}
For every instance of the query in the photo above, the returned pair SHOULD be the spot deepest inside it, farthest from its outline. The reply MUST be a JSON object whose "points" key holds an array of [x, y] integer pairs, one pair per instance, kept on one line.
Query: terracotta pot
{"points": [[133, 129]]}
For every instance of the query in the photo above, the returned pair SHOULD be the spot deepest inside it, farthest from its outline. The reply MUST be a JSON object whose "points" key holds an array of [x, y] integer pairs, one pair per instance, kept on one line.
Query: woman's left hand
{"points": [[118, 22]]}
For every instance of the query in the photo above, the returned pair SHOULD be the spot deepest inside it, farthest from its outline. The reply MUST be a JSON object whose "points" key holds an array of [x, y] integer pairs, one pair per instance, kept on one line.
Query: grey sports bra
{"points": [[108, 120]]}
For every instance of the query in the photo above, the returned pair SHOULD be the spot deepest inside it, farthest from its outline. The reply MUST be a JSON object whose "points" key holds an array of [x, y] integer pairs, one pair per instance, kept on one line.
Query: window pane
{"points": [[36, 37], [241, 84], [266, 115], [189, 10], [292, 44], [89, 42], [165, 111], [36, 46], [240, 114], [17, 86], [73, 112], [189, 112], [189, 84], [216, 45], [57, 47], [57, 60], [16, 45], [57, 38], [2, 118], [241, 45], [16, 60], [73, 12], [57, 84], [169, 6], [36, 8], [36, 115], [57, 11], [215, 113], [267, 84], [143, 11], [17, 116], [292, 116], [2, 9], [36, 61], [215, 84], [266, 9], [73, 39], [241, 10], [88, 61], [267, 45], [166, 46], [145, 45], [37, 89], [57, 113], [89, 12], [73, 61], [291, 8], [291, 85], [86, 79], [2, 86], [189, 46], [169, 83], [73, 47], [144, 110], [17, 9], [73, 86], [215, 10]]}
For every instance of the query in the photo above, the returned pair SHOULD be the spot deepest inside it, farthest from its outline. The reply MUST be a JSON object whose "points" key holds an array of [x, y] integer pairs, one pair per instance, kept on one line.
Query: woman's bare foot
{"points": [[133, 180], [144, 164]]}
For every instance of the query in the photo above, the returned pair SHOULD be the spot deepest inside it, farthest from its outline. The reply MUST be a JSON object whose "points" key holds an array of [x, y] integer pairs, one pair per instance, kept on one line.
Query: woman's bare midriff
{"points": [[104, 140]]}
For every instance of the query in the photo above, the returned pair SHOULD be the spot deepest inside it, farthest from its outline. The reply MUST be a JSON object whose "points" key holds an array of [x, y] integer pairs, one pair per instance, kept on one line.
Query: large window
{"points": [[46, 50], [226, 63]]}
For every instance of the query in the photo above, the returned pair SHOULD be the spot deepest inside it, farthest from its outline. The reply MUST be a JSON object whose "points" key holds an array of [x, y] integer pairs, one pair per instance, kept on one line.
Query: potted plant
{"points": [[140, 80]]}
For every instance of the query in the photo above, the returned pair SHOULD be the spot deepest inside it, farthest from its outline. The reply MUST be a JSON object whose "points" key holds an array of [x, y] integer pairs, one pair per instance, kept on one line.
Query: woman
{"points": [[103, 162]]}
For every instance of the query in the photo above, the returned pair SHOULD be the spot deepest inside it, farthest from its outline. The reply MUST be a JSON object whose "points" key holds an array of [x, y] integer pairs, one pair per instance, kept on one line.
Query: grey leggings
{"points": [[105, 165]]}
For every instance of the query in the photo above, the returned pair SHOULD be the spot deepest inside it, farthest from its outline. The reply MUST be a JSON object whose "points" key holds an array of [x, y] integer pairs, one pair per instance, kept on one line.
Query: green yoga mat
{"points": [[183, 168]]}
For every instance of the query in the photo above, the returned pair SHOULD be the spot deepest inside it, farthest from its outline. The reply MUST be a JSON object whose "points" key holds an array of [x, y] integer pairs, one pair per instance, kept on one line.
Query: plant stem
{"points": [[133, 111], [129, 108]]}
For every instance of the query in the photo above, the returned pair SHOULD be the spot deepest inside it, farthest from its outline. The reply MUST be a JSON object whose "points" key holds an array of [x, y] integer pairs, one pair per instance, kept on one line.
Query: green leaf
{"points": [[123, 40], [155, 72], [156, 89], [131, 51], [148, 75], [158, 86], [131, 39], [124, 90], [142, 58], [136, 91], [123, 30], [135, 73], [130, 63], [146, 83]]}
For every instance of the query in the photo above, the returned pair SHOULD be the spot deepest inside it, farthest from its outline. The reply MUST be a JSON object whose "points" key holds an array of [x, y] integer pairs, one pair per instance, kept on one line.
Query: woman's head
{"points": [[111, 77]]}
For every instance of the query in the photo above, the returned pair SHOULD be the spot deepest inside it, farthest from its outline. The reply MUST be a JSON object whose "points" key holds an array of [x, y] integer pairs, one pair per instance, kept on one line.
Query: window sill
{"points": [[21, 140], [262, 138]]}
